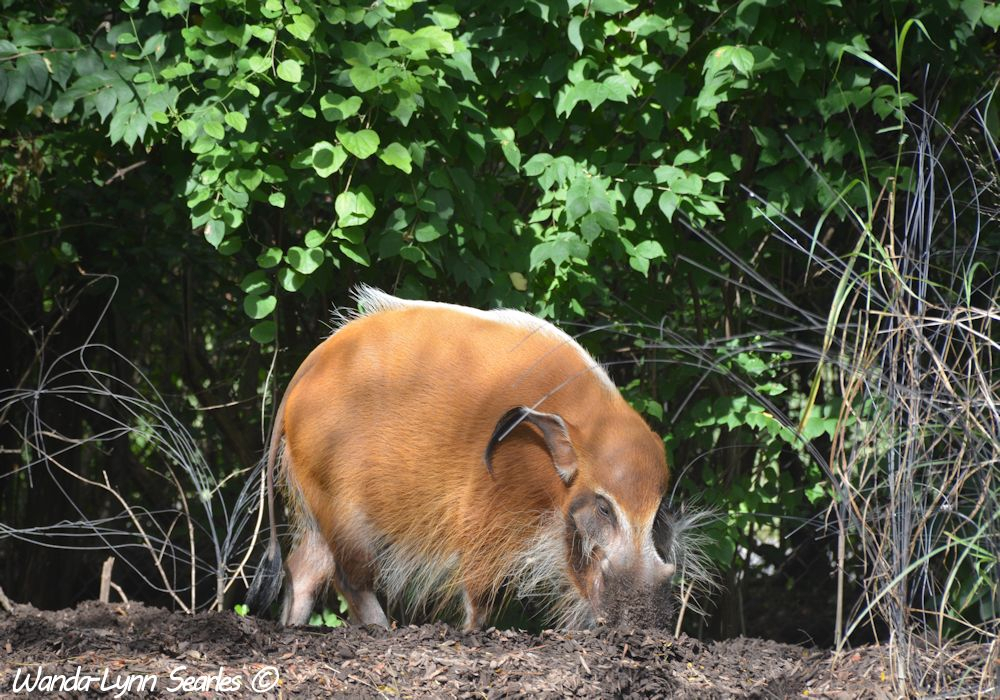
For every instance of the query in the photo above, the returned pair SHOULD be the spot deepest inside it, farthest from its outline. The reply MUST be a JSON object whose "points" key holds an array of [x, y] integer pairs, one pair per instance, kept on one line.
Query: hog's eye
{"points": [[603, 507]]}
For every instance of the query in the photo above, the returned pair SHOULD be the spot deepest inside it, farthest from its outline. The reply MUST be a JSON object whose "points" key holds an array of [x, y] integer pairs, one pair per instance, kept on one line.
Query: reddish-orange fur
{"points": [[385, 426]]}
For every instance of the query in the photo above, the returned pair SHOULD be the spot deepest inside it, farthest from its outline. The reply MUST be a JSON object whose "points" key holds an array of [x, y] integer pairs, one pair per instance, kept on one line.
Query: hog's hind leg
{"points": [[355, 581], [310, 568]]}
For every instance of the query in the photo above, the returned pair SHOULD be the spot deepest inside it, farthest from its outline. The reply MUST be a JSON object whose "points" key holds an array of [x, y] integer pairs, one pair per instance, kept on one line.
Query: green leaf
{"points": [[642, 196], [231, 246], [611, 7], [16, 85], [264, 331], [334, 107], [364, 78], [187, 128], [269, 258], [771, 388], [686, 157], [445, 17], [276, 199], [290, 280], [650, 250], [121, 119], [358, 143], [395, 154], [614, 88], [354, 207], [991, 17], [578, 198], [304, 260], [708, 208], [178, 70], [105, 102], [356, 252], [973, 10], [237, 121], [215, 231], [462, 61], [639, 264], [215, 129], [617, 89], [403, 111], [425, 39], [590, 227], [742, 60], [314, 238], [249, 179], [256, 283], [290, 70], [668, 174], [430, 230], [646, 24], [537, 164], [511, 152], [574, 33], [668, 204], [238, 197], [258, 64], [566, 245], [438, 202], [257, 306], [301, 27], [439, 38], [411, 253], [691, 183], [327, 158]]}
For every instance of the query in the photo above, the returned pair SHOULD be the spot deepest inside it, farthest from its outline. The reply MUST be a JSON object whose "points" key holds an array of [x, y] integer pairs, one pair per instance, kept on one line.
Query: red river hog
{"points": [[443, 459]]}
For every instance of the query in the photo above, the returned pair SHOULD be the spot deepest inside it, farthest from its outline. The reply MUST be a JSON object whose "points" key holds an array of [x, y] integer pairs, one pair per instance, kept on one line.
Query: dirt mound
{"points": [[69, 653]]}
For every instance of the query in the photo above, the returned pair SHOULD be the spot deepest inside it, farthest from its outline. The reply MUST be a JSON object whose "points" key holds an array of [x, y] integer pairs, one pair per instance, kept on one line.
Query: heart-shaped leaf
{"points": [[358, 143], [354, 207], [334, 107], [269, 258], [304, 260], [257, 306], [290, 70], [327, 158], [264, 331], [395, 154]]}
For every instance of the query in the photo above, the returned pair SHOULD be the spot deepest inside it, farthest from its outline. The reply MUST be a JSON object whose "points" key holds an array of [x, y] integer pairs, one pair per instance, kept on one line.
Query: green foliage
{"points": [[329, 618], [529, 140]]}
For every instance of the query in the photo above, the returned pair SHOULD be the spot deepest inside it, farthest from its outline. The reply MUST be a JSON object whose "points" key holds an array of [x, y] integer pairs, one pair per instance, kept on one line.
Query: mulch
{"points": [[222, 654]]}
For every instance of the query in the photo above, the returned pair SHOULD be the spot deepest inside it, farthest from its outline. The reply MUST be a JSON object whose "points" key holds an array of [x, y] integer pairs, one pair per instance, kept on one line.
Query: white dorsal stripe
{"points": [[373, 301]]}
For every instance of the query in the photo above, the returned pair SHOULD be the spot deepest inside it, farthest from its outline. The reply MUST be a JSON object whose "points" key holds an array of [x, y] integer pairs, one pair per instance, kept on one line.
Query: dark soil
{"points": [[215, 651]]}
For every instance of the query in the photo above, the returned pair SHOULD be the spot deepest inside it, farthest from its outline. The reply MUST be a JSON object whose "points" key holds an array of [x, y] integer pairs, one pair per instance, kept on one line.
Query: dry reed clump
{"points": [[910, 350], [911, 344]]}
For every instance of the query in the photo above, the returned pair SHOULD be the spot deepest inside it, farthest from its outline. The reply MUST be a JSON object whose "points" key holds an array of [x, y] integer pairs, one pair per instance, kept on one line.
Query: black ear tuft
{"points": [[508, 421], [553, 429]]}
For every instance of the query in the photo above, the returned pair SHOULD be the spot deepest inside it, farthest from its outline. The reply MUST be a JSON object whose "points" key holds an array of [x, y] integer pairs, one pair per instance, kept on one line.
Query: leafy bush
{"points": [[584, 160]]}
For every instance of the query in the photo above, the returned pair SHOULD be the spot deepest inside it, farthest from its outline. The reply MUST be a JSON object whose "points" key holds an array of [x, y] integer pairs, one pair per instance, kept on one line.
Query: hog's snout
{"points": [[626, 602], [639, 595]]}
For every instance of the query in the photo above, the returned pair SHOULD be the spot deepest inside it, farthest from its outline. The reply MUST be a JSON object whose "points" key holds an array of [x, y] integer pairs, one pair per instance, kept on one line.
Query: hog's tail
{"points": [[270, 573]]}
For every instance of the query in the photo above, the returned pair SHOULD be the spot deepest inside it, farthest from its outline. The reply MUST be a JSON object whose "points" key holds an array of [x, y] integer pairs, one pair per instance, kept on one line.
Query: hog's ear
{"points": [[553, 429]]}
